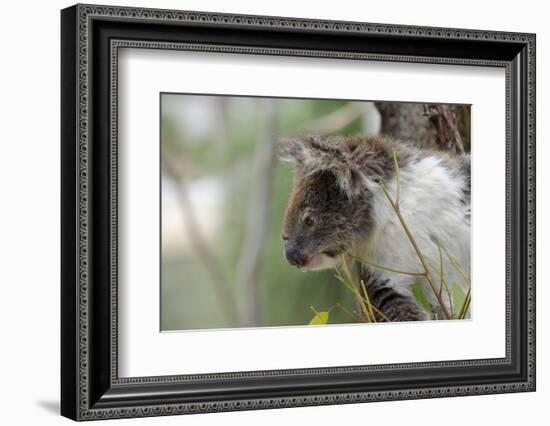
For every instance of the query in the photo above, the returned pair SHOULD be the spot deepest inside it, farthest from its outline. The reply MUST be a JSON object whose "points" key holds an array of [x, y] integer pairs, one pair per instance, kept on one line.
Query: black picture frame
{"points": [[90, 38]]}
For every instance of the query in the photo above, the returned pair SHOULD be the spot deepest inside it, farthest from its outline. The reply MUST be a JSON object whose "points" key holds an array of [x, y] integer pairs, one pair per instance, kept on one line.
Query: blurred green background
{"points": [[224, 193]]}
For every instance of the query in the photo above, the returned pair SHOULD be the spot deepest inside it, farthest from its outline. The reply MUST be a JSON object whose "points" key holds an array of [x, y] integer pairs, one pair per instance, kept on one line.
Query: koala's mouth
{"points": [[325, 259], [317, 261], [332, 253]]}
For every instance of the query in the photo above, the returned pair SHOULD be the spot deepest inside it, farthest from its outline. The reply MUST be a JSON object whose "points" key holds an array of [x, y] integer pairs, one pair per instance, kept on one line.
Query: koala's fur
{"points": [[338, 207]]}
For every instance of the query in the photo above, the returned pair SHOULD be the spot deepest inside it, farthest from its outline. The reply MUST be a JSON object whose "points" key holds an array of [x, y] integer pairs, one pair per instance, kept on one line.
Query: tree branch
{"points": [[258, 215], [337, 119], [204, 254]]}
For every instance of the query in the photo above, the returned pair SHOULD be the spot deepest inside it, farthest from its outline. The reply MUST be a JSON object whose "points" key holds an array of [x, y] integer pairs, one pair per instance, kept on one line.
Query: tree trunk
{"points": [[406, 122], [433, 126], [447, 136]]}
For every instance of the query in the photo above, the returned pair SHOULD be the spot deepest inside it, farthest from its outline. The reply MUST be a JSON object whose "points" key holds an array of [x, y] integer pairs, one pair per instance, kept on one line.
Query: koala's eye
{"points": [[308, 221]]}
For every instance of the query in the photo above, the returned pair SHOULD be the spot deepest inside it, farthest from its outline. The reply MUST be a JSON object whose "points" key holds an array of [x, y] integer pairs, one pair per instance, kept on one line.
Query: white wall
{"points": [[29, 210]]}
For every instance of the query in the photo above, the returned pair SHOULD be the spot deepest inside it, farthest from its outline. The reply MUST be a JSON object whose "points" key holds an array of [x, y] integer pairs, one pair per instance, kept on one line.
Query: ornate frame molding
{"points": [[87, 403]]}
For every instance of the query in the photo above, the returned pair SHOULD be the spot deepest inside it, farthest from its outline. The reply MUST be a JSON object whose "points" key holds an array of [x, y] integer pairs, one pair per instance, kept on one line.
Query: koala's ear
{"points": [[333, 155], [350, 181], [292, 150]]}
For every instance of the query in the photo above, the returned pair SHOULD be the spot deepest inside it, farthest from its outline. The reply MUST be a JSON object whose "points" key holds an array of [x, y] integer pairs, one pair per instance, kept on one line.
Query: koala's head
{"points": [[328, 211]]}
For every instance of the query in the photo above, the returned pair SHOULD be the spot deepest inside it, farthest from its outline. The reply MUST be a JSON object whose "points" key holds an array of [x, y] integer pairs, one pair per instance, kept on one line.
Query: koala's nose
{"points": [[293, 255]]}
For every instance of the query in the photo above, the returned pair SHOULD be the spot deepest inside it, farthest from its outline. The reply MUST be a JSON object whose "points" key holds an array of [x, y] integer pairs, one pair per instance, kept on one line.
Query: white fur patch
{"points": [[430, 202]]}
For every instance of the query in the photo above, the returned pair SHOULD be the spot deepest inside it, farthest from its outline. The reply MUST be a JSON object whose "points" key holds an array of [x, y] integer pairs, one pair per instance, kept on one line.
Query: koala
{"points": [[338, 207]]}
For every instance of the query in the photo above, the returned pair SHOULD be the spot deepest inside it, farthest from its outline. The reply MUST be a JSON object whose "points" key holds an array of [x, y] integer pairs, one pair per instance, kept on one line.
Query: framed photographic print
{"points": [[263, 212]]}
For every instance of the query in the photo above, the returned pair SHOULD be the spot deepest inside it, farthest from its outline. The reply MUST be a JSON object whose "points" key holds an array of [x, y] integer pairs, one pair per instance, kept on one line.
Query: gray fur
{"points": [[394, 306]]}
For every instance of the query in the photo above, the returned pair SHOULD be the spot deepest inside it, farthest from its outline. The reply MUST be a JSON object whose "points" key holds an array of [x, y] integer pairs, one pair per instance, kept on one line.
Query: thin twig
{"points": [[379, 312], [442, 281], [385, 268], [466, 305], [366, 296], [363, 301], [459, 269], [347, 311], [398, 177], [428, 275], [446, 287], [440, 266], [353, 288]]}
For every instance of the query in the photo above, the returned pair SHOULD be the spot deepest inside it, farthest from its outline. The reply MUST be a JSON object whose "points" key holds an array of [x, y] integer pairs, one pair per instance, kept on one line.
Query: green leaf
{"points": [[421, 297], [320, 318], [458, 297]]}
